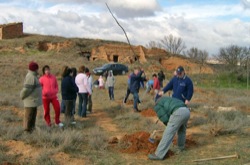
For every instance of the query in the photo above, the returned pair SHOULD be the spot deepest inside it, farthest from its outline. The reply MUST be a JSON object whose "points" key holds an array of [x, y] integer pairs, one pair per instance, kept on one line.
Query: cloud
{"points": [[139, 8], [69, 17], [246, 4], [123, 9], [206, 27]]}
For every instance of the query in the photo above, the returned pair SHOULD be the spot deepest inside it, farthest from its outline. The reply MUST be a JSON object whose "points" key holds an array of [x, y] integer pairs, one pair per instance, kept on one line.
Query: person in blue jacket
{"points": [[181, 85], [135, 80]]}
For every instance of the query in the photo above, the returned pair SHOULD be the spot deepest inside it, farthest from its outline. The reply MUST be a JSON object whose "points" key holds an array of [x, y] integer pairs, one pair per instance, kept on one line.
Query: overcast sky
{"points": [[205, 24]]}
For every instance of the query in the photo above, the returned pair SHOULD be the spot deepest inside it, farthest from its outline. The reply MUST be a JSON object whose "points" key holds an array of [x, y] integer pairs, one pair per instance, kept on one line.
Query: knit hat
{"points": [[33, 66]]}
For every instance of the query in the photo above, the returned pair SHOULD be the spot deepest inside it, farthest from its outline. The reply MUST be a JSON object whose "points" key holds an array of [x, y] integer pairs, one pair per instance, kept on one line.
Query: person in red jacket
{"points": [[49, 95], [156, 85]]}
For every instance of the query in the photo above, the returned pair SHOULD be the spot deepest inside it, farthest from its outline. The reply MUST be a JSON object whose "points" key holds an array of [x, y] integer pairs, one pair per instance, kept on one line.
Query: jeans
{"points": [[111, 93], [62, 107], [127, 94], [136, 100], [90, 103], [82, 107], [177, 124]]}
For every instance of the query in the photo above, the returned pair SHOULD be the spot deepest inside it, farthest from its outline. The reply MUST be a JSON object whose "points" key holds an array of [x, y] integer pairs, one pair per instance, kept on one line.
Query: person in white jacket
{"points": [[81, 81]]}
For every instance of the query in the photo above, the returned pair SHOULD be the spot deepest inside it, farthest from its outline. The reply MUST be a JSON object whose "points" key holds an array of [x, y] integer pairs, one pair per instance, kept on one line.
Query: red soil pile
{"points": [[190, 142], [148, 113], [138, 142]]}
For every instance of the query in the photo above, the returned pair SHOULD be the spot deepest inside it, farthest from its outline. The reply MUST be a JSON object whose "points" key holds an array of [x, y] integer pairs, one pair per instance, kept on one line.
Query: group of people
{"points": [[43, 91], [108, 83], [172, 111]]}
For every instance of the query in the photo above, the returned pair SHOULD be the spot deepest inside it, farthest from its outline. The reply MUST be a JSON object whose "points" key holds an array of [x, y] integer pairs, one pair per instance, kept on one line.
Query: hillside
{"points": [[32, 44]]}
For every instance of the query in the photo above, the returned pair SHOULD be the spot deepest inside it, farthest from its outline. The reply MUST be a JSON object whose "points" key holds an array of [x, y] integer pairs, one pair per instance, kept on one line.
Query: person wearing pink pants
{"points": [[49, 95]]}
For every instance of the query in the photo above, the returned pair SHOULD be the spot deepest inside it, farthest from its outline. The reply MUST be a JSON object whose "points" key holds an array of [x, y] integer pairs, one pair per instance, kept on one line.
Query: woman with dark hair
{"points": [[64, 70], [73, 74], [84, 90], [49, 95], [69, 90]]}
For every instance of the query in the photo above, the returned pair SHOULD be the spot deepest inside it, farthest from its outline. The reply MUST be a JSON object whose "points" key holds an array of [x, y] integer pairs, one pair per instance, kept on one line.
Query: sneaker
{"points": [[60, 124], [153, 157]]}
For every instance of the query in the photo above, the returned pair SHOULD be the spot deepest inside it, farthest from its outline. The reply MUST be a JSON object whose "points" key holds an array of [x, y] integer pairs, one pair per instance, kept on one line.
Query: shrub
{"points": [[97, 139], [227, 122], [198, 121], [45, 159]]}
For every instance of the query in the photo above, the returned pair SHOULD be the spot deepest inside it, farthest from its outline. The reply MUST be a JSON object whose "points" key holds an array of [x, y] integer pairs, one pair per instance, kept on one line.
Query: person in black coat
{"points": [[161, 78], [69, 92]]}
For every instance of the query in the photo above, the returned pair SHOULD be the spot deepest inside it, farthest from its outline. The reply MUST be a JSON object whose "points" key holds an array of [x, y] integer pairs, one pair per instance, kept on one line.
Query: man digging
{"points": [[175, 115]]}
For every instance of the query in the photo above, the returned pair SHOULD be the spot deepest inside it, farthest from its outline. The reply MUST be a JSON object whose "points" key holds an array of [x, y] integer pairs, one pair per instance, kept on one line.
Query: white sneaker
{"points": [[73, 122], [60, 124]]}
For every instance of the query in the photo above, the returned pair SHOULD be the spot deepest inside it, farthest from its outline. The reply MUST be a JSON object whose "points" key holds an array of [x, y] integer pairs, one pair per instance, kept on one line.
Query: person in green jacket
{"points": [[31, 94], [175, 115]]}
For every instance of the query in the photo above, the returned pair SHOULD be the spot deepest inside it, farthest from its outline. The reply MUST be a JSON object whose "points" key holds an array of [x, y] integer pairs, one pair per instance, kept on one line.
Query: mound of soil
{"points": [[138, 142], [148, 113]]}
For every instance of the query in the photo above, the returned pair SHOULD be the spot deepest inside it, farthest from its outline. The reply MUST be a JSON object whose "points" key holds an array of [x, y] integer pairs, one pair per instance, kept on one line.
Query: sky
{"points": [[205, 24]]}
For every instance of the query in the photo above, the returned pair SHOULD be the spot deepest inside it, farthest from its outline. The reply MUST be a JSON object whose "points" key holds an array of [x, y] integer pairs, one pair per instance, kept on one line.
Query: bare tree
{"points": [[174, 45], [192, 53], [202, 57], [233, 55], [196, 54], [153, 44]]}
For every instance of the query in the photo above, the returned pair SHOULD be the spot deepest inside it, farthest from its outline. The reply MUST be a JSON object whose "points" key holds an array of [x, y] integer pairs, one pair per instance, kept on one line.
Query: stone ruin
{"points": [[124, 53], [11, 30]]}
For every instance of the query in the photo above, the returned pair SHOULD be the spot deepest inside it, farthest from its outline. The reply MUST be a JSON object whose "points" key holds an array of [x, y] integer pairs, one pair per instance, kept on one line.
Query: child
{"points": [[101, 82]]}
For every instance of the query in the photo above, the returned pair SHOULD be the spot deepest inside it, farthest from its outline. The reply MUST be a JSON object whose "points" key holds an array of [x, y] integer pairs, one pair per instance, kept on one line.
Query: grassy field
{"points": [[219, 124]]}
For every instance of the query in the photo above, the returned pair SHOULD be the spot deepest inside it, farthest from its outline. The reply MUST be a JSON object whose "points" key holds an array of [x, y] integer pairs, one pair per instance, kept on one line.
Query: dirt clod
{"points": [[113, 140], [148, 113]]}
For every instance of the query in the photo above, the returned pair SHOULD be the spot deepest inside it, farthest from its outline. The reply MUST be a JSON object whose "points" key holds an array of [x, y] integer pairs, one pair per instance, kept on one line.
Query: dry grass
{"points": [[87, 140]]}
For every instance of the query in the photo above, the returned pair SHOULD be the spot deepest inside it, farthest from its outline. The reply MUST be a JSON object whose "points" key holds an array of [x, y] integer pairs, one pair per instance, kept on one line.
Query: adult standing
{"points": [[135, 80], [110, 84], [128, 89], [161, 77], [90, 82], [49, 95], [84, 90], [62, 107], [74, 73], [31, 94], [181, 85], [69, 91], [175, 115]]}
